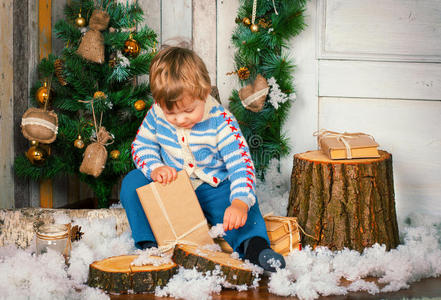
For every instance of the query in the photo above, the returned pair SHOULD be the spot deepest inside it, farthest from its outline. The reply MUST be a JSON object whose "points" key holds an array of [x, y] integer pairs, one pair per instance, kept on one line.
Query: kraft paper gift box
{"points": [[283, 233], [174, 212], [346, 145]]}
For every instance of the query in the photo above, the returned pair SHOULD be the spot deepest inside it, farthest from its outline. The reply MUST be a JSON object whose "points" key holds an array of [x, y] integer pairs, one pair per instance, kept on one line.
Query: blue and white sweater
{"points": [[212, 151]]}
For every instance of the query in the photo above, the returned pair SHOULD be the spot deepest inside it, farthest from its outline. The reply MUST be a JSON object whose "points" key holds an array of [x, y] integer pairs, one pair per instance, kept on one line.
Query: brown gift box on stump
{"points": [[174, 212], [347, 145], [283, 233]]}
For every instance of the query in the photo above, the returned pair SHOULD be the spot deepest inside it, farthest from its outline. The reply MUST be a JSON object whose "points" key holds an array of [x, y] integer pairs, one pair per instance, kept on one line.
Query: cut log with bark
{"points": [[18, 226], [117, 275], [344, 203], [235, 271]]}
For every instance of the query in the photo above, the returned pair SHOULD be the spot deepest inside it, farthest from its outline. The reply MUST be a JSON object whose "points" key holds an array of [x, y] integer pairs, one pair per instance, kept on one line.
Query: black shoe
{"points": [[258, 252], [147, 245]]}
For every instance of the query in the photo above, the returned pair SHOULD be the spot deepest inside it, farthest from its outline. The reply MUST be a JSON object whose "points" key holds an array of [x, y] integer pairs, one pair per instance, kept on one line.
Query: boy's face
{"points": [[186, 113]]}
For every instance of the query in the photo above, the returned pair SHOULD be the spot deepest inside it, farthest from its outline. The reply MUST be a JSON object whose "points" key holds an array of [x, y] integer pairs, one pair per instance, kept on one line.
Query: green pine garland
{"points": [[84, 78], [262, 53]]}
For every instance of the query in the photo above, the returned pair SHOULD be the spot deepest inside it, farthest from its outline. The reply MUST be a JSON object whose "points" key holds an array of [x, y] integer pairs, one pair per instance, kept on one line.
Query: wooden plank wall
{"points": [[6, 104]]}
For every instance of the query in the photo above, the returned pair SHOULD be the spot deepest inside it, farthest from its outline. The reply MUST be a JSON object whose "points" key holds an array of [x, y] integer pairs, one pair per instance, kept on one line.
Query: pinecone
{"points": [[58, 64], [75, 233], [243, 73]]}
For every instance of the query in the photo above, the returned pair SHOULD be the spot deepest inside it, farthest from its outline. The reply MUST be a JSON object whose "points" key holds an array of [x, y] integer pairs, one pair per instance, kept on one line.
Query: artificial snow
{"points": [[308, 273]]}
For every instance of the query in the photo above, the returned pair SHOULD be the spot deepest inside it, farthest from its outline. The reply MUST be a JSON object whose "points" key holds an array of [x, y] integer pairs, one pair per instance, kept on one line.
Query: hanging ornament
{"points": [[92, 44], [114, 154], [43, 95], [80, 21], [139, 105], [254, 27], [59, 66], [154, 50], [95, 156], [253, 95], [79, 143], [243, 73], [39, 125], [99, 95], [246, 21], [131, 47], [37, 155]]}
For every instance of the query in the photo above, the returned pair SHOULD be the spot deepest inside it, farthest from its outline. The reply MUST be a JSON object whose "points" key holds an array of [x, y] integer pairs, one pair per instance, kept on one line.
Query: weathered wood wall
{"points": [[6, 103]]}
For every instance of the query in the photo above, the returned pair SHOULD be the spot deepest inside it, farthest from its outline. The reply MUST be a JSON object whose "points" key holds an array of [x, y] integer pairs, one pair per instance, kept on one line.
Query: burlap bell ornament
{"points": [[95, 156], [92, 43], [253, 95], [40, 125]]}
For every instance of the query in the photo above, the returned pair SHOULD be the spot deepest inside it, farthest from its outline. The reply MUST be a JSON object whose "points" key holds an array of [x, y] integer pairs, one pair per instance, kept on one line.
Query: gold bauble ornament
{"points": [[37, 155], [131, 47], [114, 154], [139, 105], [79, 143], [254, 27], [246, 21], [99, 94], [80, 21], [43, 94]]}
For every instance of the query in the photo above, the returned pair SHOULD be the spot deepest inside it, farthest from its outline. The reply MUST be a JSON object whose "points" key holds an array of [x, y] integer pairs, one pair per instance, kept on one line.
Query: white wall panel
{"points": [[410, 131], [176, 20], [368, 79], [226, 13], [204, 34], [381, 29], [303, 116]]}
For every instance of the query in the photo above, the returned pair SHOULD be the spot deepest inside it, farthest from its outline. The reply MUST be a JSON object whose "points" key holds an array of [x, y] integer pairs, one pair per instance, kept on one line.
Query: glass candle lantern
{"points": [[55, 237]]}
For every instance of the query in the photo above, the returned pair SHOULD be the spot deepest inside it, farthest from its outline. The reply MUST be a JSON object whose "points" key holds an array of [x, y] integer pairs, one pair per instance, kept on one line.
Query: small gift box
{"points": [[347, 145], [283, 233], [174, 213]]}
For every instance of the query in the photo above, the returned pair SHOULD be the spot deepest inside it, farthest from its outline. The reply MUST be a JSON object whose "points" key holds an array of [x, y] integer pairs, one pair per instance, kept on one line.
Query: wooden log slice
{"points": [[235, 270], [344, 203], [117, 275]]}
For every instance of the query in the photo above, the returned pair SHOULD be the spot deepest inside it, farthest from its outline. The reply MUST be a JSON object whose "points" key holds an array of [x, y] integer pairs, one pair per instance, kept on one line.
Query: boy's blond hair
{"points": [[177, 71]]}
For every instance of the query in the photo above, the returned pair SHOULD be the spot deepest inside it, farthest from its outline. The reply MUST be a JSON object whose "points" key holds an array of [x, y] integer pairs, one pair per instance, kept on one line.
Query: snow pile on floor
{"points": [[312, 273]]}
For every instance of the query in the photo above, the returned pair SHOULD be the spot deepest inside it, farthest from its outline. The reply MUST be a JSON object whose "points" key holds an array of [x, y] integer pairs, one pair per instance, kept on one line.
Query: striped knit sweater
{"points": [[212, 151]]}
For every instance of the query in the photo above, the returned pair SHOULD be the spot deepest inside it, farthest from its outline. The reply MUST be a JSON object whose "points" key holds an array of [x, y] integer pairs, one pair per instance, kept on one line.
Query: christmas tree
{"points": [[91, 88], [262, 105]]}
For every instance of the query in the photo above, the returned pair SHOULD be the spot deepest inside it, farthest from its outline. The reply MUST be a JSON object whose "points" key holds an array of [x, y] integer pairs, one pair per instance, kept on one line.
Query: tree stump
{"points": [[117, 275], [344, 203], [235, 270]]}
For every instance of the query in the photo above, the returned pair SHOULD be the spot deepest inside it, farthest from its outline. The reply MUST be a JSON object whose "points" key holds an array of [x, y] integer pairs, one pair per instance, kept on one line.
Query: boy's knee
{"points": [[133, 180]]}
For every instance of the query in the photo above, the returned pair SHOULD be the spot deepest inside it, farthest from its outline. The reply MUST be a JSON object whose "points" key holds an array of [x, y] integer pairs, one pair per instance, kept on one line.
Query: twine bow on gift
{"points": [[170, 244], [342, 137]]}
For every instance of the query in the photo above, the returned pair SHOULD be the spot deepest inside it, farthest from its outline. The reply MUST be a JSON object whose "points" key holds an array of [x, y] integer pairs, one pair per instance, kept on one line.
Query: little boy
{"points": [[186, 129]]}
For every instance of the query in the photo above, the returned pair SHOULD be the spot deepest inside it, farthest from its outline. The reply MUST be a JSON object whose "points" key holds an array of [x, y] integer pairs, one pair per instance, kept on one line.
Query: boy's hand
{"points": [[164, 174], [235, 215]]}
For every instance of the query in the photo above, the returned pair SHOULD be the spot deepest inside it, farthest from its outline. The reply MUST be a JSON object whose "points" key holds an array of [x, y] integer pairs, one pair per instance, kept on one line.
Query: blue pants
{"points": [[213, 202]]}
